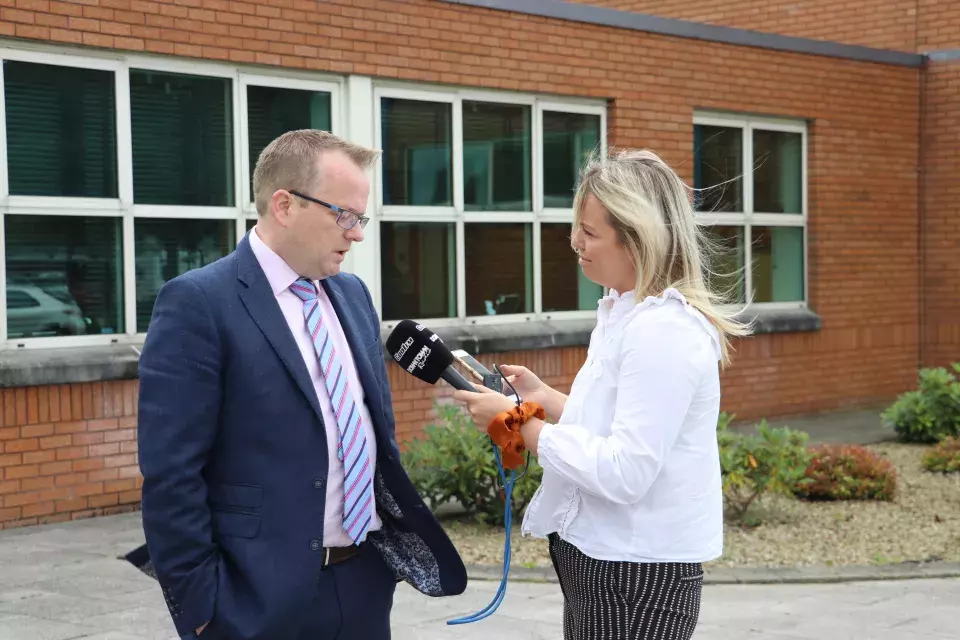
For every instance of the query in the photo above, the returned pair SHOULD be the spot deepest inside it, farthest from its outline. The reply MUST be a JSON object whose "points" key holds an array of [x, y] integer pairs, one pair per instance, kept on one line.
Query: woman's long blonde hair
{"points": [[650, 207]]}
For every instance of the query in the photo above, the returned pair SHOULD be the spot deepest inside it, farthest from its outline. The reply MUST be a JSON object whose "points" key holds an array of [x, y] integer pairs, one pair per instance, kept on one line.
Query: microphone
{"points": [[422, 354]]}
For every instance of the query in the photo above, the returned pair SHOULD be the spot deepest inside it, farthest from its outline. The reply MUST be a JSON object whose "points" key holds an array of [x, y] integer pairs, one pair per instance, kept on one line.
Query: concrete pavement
{"points": [[63, 582]]}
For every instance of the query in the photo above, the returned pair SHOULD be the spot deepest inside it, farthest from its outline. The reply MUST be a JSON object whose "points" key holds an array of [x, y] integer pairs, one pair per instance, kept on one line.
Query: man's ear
{"points": [[281, 207]]}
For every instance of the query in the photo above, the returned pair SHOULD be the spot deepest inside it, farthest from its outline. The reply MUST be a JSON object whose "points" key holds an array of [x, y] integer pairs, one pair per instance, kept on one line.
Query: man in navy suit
{"points": [[274, 503]]}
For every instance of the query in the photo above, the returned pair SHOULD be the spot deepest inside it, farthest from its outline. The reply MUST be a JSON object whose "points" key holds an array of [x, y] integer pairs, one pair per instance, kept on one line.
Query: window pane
{"points": [[496, 157], [499, 269], [251, 224], [64, 275], [61, 130], [724, 262], [166, 248], [417, 152], [568, 138], [718, 157], [778, 177], [272, 112], [182, 130], [565, 288], [777, 264], [419, 270]]}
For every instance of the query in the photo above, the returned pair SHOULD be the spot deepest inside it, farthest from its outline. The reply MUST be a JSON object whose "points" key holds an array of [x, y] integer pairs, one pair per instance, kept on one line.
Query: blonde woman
{"points": [[631, 494]]}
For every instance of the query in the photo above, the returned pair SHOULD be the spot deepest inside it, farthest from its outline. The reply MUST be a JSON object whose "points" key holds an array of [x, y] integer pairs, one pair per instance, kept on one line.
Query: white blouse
{"points": [[631, 471]]}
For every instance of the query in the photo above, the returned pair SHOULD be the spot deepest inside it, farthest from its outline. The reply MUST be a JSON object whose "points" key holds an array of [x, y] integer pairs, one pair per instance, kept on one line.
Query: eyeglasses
{"points": [[346, 218]]}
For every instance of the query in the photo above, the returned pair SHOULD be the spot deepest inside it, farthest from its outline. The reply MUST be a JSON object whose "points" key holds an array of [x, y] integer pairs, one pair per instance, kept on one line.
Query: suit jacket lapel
{"points": [[347, 314], [262, 306]]}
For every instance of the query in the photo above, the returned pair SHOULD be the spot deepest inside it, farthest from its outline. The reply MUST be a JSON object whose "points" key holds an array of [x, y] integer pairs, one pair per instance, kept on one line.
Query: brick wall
{"points": [[941, 237], [884, 24], [68, 452], [862, 173], [938, 25]]}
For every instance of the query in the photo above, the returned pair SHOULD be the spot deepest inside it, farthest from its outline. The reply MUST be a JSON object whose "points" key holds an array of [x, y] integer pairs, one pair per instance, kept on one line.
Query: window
{"points": [[475, 195], [751, 180], [61, 130], [120, 173], [64, 275]]}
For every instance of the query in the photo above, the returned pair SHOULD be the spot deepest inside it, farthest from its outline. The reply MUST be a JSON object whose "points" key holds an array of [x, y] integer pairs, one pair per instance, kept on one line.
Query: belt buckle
{"points": [[326, 556]]}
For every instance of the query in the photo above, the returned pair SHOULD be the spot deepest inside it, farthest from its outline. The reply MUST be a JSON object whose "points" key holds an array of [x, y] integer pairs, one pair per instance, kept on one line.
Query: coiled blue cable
{"points": [[507, 522]]}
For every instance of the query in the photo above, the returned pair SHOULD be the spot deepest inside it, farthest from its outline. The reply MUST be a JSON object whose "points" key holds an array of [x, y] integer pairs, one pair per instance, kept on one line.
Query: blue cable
{"points": [[508, 522]]}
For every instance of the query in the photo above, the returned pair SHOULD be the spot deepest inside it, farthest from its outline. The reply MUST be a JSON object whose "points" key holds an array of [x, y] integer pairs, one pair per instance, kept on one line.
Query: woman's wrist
{"points": [[530, 431]]}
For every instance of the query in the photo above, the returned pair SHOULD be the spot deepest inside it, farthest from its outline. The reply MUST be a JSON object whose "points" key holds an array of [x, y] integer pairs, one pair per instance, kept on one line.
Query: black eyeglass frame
{"points": [[340, 211]]}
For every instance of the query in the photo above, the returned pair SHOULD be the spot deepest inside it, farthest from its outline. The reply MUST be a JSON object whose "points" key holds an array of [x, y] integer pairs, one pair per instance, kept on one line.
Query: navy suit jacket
{"points": [[233, 453]]}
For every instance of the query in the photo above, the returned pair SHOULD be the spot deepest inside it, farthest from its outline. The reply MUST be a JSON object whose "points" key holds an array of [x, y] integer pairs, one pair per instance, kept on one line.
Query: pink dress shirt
{"points": [[281, 276]]}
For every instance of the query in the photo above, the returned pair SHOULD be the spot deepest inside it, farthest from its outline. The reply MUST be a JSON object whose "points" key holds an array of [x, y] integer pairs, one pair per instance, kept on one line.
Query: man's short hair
{"points": [[290, 162]]}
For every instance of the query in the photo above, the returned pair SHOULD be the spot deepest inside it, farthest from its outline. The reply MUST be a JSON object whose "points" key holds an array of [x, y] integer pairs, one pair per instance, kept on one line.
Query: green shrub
{"points": [[453, 460], [848, 472], [769, 461], [945, 457], [929, 413]]}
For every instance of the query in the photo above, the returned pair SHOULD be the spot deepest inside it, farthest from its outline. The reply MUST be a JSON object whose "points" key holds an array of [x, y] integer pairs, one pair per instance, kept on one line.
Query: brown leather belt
{"points": [[336, 555]]}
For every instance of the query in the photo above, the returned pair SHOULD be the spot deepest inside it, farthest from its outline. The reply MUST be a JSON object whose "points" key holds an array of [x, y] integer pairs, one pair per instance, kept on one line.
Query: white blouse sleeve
{"points": [[660, 370]]}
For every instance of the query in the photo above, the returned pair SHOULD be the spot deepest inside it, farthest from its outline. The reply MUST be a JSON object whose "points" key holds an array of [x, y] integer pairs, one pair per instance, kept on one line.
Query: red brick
{"points": [[94, 438], [26, 444], [69, 506], [37, 430], [104, 500], [87, 464], [36, 457], [34, 484], [70, 427], [9, 514], [11, 459], [20, 499], [104, 424], [38, 509], [9, 486]]}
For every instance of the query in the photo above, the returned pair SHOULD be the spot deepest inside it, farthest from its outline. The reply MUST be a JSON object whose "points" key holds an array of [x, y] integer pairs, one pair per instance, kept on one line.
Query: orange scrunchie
{"points": [[504, 430]]}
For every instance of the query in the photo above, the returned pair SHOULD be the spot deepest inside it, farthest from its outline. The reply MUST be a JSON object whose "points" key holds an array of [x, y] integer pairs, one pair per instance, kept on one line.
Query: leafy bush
{"points": [[769, 461], [453, 460], [931, 412], [848, 472], [945, 457]]}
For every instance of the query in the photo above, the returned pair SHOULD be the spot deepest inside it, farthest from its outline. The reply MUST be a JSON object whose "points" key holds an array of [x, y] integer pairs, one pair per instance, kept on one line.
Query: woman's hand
{"points": [[526, 382], [533, 389], [483, 405]]}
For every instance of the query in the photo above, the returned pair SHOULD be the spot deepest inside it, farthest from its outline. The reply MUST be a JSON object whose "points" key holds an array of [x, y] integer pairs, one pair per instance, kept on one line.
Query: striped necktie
{"points": [[352, 448]]}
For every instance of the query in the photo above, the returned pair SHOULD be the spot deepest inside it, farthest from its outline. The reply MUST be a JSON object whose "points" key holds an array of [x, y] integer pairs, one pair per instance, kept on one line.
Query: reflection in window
{"points": [[182, 129], [64, 275], [496, 157], [777, 264], [272, 111], [499, 269], [778, 177], [164, 249], [565, 288], [568, 138], [416, 138], [717, 168], [418, 265], [724, 262], [61, 130]]}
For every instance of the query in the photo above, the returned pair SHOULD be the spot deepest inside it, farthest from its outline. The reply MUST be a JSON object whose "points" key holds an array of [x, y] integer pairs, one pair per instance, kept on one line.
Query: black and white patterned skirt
{"points": [[604, 600]]}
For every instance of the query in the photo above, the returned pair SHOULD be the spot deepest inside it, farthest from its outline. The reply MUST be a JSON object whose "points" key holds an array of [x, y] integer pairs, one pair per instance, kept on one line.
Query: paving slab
{"points": [[64, 582]]}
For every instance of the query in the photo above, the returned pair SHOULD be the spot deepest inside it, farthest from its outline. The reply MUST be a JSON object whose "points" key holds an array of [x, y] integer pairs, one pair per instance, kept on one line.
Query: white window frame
{"points": [[457, 214], [124, 207], [748, 218]]}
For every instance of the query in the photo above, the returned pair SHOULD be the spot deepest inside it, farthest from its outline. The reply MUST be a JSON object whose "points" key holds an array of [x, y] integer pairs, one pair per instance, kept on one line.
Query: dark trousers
{"points": [[353, 600], [606, 600]]}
